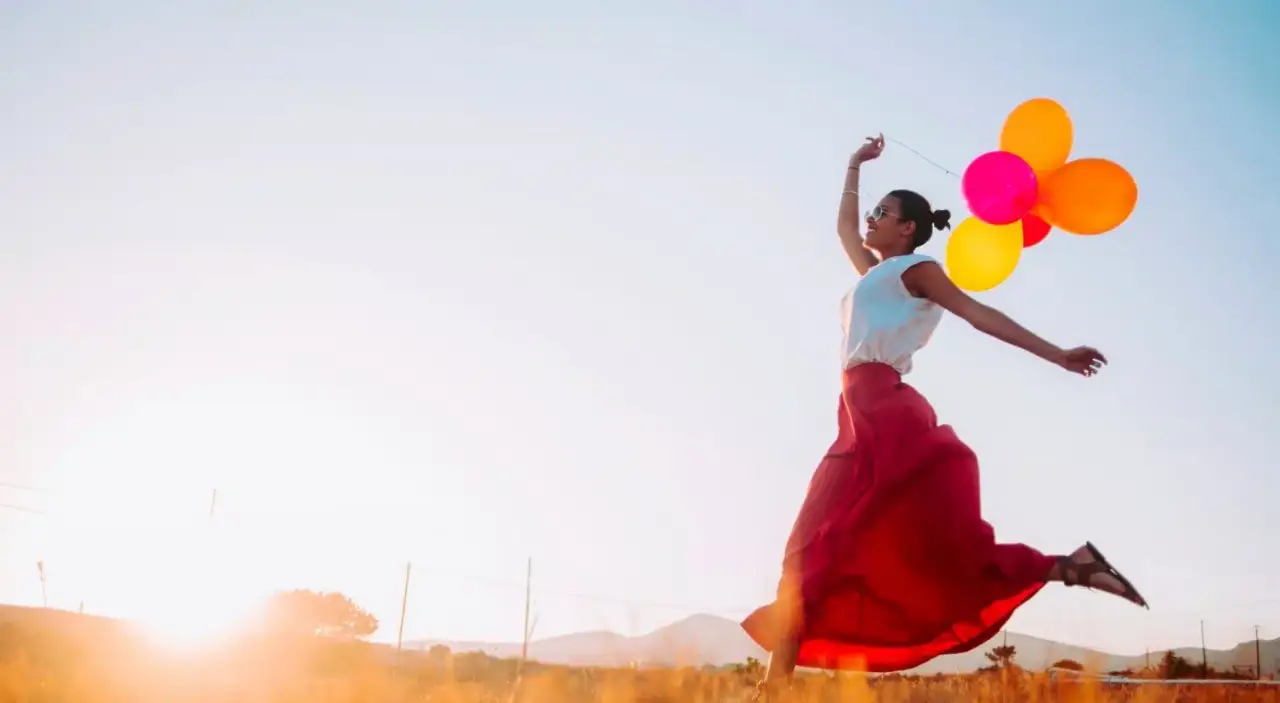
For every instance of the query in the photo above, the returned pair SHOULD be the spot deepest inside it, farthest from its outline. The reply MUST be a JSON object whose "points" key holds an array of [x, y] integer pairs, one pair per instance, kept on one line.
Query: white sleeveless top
{"points": [[882, 321]]}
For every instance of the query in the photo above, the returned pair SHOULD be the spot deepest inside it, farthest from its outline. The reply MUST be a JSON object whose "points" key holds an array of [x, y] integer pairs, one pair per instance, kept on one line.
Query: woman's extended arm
{"points": [[928, 280], [848, 219]]}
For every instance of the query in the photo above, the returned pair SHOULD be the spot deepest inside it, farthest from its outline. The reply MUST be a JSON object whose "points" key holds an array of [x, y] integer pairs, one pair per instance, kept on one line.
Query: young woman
{"points": [[890, 563]]}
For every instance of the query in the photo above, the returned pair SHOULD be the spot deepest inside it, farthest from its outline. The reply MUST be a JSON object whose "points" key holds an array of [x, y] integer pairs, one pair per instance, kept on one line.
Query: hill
{"points": [[50, 655], [700, 640], [708, 640]]}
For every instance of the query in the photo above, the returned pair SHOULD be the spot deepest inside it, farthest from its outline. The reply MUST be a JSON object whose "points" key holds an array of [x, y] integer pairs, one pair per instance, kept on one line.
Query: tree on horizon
{"points": [[1070, 664], [308, 613], [1173, 666], [1002, 657]]}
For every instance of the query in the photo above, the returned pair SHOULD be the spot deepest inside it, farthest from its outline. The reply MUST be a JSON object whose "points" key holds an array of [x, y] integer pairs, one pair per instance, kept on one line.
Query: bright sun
{"points": [[195, 603], [184, 627], [133, 532], [186, 586]]}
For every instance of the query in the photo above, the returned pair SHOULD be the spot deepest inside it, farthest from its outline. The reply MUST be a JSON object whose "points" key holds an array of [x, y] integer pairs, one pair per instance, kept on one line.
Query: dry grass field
{"points": [[280, 678], [57, 657]]}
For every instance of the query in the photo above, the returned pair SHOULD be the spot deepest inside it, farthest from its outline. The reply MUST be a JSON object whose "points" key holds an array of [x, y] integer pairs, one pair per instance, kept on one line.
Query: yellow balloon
{"points": [[1088, 196], [1039, 131], [981, 256]]}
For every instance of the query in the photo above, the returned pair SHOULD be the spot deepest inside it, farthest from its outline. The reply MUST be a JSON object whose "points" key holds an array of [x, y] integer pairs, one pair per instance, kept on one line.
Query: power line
{"points": [[544, 593], [22, 487], [23, 509]]}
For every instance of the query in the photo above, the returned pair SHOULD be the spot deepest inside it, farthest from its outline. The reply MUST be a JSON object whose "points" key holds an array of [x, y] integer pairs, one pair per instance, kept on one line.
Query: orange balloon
{"points": [[1088, 196], [1039, 131]]}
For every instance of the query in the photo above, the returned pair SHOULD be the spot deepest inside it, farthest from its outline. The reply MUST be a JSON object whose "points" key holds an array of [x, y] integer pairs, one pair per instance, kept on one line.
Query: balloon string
{"points": [[926, 159], [935, 164]]}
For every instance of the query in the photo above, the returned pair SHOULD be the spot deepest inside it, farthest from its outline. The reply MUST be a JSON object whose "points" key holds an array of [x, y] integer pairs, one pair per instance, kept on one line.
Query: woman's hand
{"points": [[848, 219], [871, 150], [1085, 361]]}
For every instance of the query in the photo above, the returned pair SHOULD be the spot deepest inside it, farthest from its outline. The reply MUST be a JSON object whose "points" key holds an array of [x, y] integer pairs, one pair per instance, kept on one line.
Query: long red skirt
{"points": [[890, 563]]}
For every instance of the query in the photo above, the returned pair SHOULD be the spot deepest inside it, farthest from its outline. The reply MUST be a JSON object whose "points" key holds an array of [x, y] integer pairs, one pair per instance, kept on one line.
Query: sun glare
{"points": [[196, 624], [194, 601], [133, 533]]}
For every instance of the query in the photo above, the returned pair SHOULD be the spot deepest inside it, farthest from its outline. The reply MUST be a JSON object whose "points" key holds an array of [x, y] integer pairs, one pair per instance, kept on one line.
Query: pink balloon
{"points": [[1000, 187]]}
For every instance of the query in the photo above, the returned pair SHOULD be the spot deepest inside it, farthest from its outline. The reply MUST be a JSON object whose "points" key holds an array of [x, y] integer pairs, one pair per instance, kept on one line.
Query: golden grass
{"points": [[278, 672], [56, 657]]}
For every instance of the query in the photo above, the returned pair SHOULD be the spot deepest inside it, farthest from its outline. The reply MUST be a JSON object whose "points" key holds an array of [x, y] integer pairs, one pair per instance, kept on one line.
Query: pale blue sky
{"points": [[466, 282]]}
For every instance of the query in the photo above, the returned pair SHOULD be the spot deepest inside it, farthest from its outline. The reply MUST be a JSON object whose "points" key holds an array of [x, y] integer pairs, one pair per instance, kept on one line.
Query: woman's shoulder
{"points": [[884, 272], [912, 262], [906, 261], [898, 265]]}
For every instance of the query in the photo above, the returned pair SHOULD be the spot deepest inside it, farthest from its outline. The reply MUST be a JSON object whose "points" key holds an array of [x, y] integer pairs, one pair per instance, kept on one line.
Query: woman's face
{"points": [[885, 226]]}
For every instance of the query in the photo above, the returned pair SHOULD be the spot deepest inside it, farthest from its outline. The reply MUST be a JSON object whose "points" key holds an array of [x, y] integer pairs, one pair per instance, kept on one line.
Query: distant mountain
{"points": [[704, 640], [708, 640], [694, 641], [701, 640]]}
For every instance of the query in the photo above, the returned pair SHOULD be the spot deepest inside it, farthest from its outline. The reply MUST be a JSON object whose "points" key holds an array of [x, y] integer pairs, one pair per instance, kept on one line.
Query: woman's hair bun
{"points": [[942, 219]]}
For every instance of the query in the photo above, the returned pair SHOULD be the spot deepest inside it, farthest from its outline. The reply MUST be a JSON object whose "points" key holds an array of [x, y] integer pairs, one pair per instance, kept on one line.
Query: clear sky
{"points": [[464, 283]]}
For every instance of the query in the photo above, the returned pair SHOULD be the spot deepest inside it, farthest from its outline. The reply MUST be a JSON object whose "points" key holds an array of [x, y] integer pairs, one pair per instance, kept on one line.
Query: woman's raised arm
{"points": [[849, 218]]}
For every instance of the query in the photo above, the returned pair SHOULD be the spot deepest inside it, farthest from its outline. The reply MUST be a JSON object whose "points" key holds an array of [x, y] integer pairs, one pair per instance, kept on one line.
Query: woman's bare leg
{"points": [[782, 661]]}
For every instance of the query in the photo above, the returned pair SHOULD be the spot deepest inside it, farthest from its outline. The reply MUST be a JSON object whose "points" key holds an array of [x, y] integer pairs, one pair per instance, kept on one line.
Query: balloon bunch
{"points": [[1027, 187]]}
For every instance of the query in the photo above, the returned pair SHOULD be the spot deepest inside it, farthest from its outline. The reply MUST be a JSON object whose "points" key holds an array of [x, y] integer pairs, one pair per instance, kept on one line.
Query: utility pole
{"points": [[1204, 654], [44, 594], [404, 604], [1148, 659], [528, 590], [1257, 655]]}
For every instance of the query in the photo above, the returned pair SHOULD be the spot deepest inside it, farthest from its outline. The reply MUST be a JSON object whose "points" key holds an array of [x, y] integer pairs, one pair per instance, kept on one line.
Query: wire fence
{"points": [[1112, 680]]}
